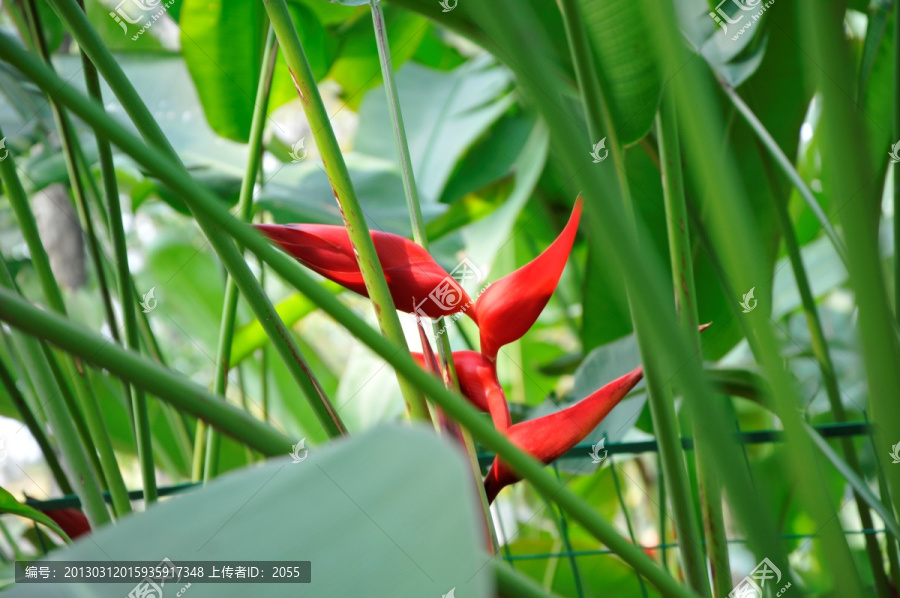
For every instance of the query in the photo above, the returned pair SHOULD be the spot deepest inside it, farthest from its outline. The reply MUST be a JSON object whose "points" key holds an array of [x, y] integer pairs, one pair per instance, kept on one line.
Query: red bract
{"points": [[510, 306], [548, 438], [417, 283], [478, 382], [71, 520]]}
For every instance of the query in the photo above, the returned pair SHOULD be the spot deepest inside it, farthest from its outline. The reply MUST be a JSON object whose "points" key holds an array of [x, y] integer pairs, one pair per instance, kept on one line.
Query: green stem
{"points": [[98, 436], [166, 384], [231, 257], [35, 361], [18, 401], [123, 273], [662, 407], [153, 378], [245, 212], [420, 236], [896, 198], [681, 259], [342, 186]]}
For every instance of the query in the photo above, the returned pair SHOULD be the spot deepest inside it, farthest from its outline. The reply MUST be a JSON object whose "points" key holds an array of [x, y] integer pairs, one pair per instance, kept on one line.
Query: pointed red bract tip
{"points": [[416, 282], [510, 306], [478, 383], [548, 438]]}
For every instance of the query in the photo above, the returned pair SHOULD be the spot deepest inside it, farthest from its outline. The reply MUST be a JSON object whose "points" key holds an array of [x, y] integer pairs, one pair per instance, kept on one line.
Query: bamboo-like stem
{"points": [[439, 327], [117, 232], [817, 339], [164, 383], [35, 361], [21, 405], [152, 377], [829, 379], [231, 257], [97, 440], [74, 158], [896, 198], [245, 212], [344, 194], [681, 259], [662, 407]]}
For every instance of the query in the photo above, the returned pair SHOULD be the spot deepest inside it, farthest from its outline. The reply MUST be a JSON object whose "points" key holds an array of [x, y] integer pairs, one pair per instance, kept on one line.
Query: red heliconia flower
{"points": [[417, 283], [547, 438], [510, 306], [71, 520], [478, 382]]}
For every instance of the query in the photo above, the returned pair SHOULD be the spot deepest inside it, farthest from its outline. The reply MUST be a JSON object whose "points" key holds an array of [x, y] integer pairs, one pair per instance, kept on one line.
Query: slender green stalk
{"points": [[628, 524], [702, 129], [98, 437], [342, 186], [18, 400], [896, 202], [245, 212], [420, 236], [34, 359], [153, 378], [843, 151], [681, 259], [166, 384], [822, 355], [662, 407], [231, 257], [73, 155], [117, 230]]}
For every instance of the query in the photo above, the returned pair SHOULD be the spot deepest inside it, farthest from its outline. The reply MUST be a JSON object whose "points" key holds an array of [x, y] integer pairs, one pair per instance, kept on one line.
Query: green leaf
{"points": [[320, 47], [9, 504], [624, 62], [335, 509], [222, 44], [357, 68], [444, 114]]}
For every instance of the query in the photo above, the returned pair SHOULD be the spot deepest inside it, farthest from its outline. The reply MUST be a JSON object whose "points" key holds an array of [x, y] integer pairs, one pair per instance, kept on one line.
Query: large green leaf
{"points": [[625, 65], [222, 44], [356, 509], [301, 193], [443, 112]]}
